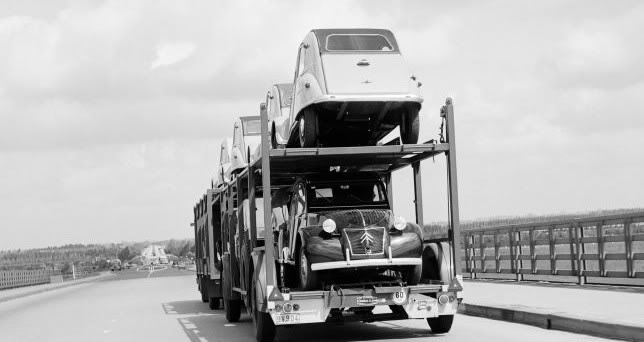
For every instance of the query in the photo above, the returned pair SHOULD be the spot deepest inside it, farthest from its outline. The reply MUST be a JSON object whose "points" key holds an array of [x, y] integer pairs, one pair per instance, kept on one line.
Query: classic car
{"points": [[341, 223], [278, 105], [351, 87], [246, 140], [225, 166]]}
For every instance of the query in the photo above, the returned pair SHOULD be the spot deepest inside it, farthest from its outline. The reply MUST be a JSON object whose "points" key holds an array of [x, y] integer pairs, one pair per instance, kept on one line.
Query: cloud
{"points": [[172, 53], [114, 109]]}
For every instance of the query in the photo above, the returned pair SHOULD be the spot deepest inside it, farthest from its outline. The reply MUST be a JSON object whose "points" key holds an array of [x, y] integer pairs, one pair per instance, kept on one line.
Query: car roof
{"points": [[250, 118], [322, 34]]}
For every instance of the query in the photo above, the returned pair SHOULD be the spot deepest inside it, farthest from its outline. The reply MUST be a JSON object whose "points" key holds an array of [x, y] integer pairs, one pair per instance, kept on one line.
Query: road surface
{"points": [[165, 306]]}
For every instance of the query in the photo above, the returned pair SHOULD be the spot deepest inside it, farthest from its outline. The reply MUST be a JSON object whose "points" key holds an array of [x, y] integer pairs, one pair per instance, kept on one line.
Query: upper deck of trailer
{"points": [[288, 162]]}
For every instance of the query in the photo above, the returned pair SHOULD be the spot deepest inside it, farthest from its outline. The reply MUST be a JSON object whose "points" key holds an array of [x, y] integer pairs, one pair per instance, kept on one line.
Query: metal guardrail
{"points": [[609, 246], [17, 278]]}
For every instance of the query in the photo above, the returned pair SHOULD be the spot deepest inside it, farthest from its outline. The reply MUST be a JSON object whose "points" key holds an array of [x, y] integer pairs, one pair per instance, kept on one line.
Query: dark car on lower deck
{"points": [[342, 223]]}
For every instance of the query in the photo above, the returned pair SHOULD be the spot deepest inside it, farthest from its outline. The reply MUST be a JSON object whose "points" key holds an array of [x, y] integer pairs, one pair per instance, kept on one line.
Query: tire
{"points": [[264, 325], [204, 296], [413, 274], [440, 324], [307, 279], [307, 126], [203, 290], [233, 310], [410, 126]]}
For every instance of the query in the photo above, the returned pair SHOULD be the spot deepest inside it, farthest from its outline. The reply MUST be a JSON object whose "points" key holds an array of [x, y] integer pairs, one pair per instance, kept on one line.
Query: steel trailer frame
{"points": [[278, 167]]}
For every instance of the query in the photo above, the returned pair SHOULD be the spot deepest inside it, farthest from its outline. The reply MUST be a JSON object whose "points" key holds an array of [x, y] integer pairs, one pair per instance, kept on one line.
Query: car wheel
{"points": [[441, 324], [308, 128], [410, 126], [233, 310], [307, 278]]}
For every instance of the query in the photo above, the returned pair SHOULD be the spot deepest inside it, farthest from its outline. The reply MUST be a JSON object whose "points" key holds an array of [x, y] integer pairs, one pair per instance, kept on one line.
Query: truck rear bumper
{"points": [[366, 263]]}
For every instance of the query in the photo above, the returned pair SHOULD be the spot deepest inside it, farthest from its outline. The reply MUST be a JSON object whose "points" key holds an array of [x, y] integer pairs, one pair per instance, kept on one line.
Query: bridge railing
{"points": [[17, 278], [609, 246]]}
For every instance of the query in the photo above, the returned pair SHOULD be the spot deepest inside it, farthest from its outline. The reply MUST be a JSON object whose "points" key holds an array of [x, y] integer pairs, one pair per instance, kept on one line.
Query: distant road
{"points": [[166, 307]]}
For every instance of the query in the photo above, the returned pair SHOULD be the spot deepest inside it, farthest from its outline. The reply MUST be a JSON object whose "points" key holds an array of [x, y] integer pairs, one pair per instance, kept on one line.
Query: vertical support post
{"points": [[628, 248], [252, 208], [573, 254], [601, 257], [266, 193], [513, 261], [448, 113], [418, 195], [579, 247], [497, 257], [473, 257], [468, 254], [482, 253], [533, 254], [552, 250], [519, 256], [582, 265]]}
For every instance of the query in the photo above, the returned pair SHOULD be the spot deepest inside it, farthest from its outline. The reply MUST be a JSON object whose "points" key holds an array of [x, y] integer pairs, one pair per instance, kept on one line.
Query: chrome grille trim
{"points": [[353, 238]]}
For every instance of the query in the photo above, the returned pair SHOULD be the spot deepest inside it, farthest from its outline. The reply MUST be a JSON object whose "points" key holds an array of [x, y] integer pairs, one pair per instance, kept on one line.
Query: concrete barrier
{"points": [[556, 322]]}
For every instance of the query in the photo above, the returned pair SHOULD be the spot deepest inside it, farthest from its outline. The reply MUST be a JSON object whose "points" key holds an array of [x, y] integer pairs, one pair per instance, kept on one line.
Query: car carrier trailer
{"points": [[252, 266], [207, 233]]}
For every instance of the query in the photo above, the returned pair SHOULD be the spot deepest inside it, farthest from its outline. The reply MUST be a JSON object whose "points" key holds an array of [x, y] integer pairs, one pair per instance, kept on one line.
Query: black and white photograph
{"points": [[254, 170]]}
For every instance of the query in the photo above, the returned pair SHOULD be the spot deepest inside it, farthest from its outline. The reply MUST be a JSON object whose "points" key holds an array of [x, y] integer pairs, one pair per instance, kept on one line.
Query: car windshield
{"points": [[346, 194], [358, 42], [286, 97], [251, 127]]}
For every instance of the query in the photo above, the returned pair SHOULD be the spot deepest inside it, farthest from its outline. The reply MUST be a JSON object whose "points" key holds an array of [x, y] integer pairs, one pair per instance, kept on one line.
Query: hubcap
{"points": [[302, 126]]}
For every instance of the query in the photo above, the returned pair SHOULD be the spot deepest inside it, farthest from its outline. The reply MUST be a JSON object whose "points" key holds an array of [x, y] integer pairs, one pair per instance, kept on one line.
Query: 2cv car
{"points": [[246, 140], [278, 106], [341, 227], [351, 88]]}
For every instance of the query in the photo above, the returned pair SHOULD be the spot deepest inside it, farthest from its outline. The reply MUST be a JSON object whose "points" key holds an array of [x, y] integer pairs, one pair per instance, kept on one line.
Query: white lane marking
{"points": [[230, 325]]}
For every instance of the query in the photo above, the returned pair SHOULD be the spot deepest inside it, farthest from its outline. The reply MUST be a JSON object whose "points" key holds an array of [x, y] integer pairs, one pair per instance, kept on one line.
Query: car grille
{"points": [[365, 241]]}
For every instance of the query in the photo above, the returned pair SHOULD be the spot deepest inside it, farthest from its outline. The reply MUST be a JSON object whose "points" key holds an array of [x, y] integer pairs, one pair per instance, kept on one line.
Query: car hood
{"points": [[355, 218]]}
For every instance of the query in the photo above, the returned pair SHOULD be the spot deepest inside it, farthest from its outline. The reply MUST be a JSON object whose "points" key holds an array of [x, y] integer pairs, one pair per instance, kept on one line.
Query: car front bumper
{"points": [[366, 263]]}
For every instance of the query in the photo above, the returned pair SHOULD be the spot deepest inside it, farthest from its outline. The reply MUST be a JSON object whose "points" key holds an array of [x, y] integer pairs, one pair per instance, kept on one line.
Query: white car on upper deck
{"points": [[351, 87], [278, 106], [246, 141]]}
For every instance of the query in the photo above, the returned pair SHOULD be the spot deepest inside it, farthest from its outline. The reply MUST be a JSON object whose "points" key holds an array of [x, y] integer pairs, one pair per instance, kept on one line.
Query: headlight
{"points": [[328, 225], [400, 223]]}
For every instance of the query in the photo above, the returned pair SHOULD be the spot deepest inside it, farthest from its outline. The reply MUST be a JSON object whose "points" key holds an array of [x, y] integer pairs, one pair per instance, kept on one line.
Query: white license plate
{"points": [[288, 318]]}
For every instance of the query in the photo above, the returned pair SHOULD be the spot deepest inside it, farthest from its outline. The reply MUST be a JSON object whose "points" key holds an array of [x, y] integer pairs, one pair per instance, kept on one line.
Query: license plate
{"points": [[288, 318]]}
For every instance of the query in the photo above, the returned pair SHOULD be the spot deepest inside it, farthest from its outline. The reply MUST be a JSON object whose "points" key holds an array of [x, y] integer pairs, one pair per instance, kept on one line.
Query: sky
{"points": [[112, 112]]}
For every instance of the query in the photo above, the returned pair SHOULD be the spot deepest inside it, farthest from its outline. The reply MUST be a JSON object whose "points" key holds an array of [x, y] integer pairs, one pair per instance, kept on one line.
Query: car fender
{"points": [[281, 126], [305, 96]]}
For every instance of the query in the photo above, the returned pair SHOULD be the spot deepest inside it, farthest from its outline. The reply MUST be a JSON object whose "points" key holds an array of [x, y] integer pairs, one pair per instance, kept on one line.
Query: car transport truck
{"points": [[309, 235]]}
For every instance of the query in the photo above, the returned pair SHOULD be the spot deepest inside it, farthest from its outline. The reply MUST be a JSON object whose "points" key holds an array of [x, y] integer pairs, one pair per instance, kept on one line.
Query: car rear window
{"points": [[286, 97], [252, 127], [358, 42]]}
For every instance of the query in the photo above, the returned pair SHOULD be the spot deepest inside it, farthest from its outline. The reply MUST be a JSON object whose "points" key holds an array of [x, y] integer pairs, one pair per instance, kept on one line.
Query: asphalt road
{"points": [[165, 306]]}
